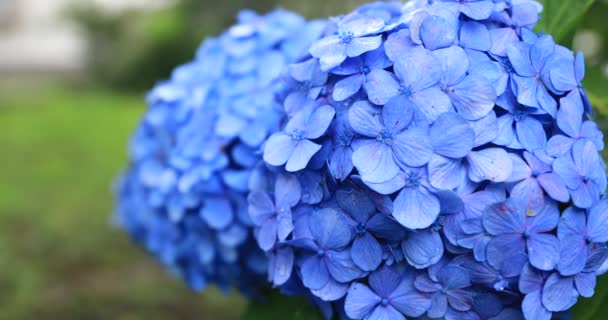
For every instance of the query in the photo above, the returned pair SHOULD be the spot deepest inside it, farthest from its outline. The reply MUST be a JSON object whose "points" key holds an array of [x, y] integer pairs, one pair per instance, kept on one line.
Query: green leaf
{"points": [[560, 17], [280, 307]]}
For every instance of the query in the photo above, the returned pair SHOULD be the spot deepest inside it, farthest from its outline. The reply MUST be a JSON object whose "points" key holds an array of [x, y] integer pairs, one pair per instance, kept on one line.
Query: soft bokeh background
{"points": [[73, 74]]}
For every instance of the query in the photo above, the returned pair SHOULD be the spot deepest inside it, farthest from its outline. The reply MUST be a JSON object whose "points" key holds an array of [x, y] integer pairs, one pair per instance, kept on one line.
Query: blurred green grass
{"points": [[60, 257]]}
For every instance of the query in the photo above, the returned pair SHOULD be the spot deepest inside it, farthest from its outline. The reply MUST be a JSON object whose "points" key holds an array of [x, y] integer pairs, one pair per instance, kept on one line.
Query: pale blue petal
{"points": [[375, 162], [381, 86], [416, 208], [347, 87], [301, 155], [490, 164], [278, 149]]}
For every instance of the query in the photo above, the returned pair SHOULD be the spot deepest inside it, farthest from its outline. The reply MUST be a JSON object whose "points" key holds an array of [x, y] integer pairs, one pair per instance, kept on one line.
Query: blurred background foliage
{"points": [[63, 141]]}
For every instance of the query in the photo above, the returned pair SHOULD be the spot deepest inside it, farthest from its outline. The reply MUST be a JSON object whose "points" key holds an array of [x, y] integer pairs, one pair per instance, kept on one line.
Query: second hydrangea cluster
{"points": [[184, 195], [437, 161]]}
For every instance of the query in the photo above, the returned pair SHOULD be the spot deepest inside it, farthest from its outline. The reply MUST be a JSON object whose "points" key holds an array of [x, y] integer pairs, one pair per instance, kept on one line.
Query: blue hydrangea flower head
{"points": [[184, 194], [435, 162]]}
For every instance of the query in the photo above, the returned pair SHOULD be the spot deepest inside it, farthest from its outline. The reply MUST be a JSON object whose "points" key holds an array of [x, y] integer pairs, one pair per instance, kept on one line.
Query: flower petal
{"points": [[381, 86], [301, 155], [544, 251], [360, 301], [314, 273], [416, 208], [473, 98], [330, 229], [452, 136], [278, 149], [412, 147], [423, 248], [490, 164], [375, 162], [366, 252]]}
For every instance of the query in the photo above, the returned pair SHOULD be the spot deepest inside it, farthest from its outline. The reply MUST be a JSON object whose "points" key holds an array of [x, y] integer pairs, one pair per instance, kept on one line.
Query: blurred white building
{"points": [[35, 35]]}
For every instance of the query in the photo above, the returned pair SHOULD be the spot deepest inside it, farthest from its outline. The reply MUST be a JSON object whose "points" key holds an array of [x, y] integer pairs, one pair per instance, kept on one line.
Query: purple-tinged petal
{"points": [[364, 119], [584, 196], [545, 220], [261, 207], [280, 266], [460, 300], [559, 145], [573, 222], [530, 280], [416, 208], [425, 284], [439, 306], [360, 301]]}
